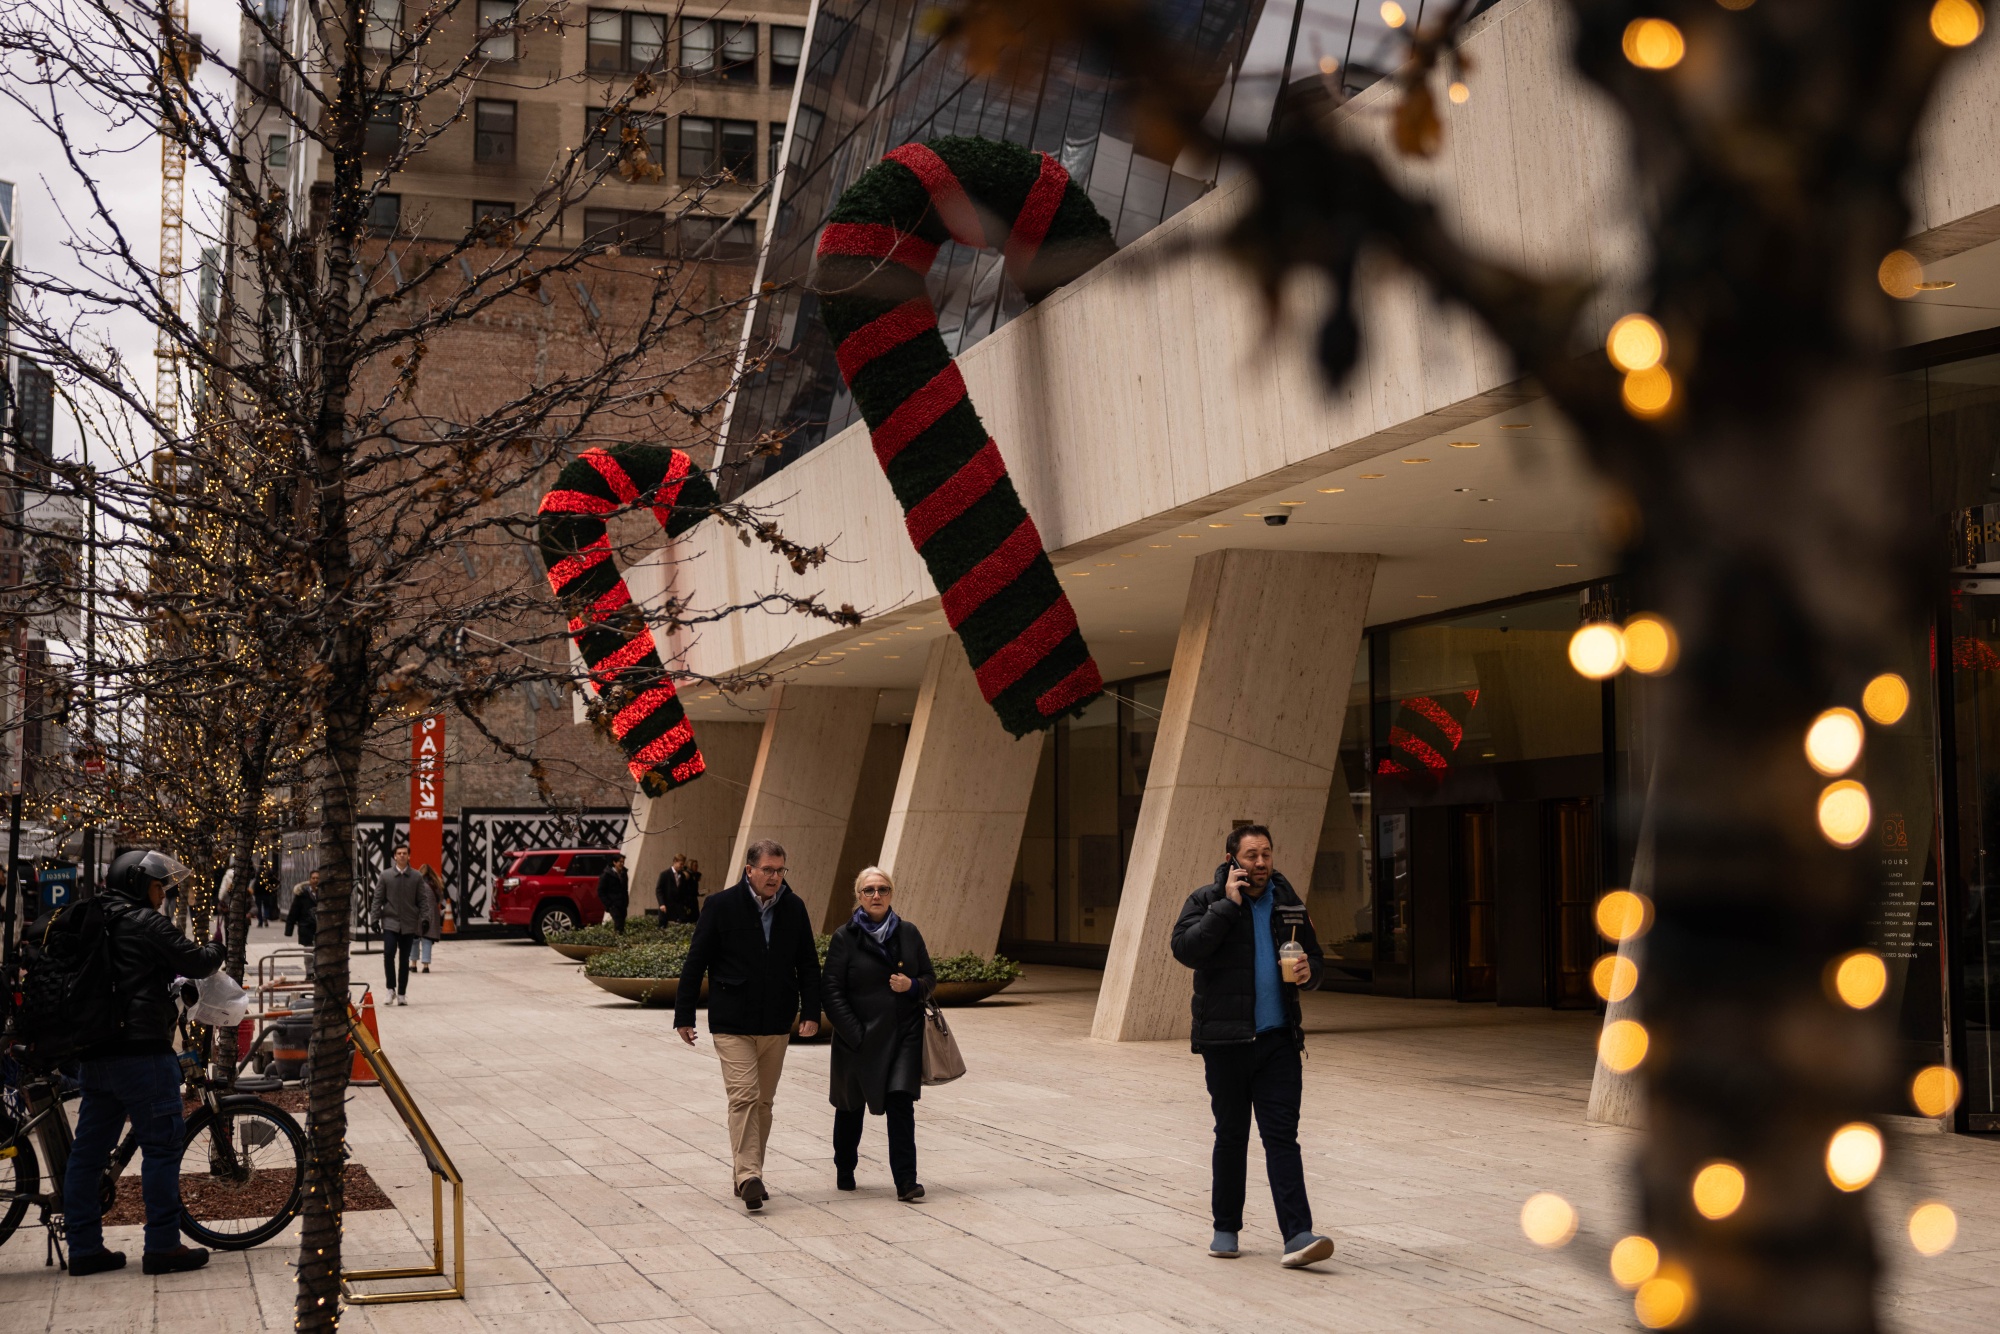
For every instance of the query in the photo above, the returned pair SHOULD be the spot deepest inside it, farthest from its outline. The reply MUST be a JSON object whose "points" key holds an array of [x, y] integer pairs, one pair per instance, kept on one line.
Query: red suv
{"points": [[551, 890]]}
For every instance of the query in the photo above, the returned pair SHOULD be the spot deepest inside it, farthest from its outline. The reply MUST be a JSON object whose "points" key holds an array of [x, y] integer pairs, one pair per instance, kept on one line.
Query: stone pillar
{"points": [[961, 802], [1250, 732], [698, 820], [808, 763]]}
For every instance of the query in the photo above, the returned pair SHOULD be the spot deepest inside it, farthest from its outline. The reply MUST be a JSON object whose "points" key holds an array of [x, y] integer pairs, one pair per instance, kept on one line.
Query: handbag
{"points": [[942, 1062]]}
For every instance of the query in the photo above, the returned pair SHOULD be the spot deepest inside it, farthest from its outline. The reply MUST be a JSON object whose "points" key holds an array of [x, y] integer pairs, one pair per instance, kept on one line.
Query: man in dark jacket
{"points": [[136, 1076], [614, 892], [304, 914], [1233, 933], [754, 942], [670, 891], [403, 903]]}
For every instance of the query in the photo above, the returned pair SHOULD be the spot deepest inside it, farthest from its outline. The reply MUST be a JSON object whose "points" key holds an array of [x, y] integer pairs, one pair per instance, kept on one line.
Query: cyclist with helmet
{"points": [[136, 1075]]}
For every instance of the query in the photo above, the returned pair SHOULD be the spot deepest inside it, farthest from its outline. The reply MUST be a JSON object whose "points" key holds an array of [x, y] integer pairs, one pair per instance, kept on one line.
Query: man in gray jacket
{"points": [[402, 906]]}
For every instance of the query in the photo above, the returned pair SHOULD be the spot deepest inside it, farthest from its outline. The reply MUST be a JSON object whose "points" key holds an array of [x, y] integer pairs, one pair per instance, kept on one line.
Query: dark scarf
{"points": [[877, 934]]}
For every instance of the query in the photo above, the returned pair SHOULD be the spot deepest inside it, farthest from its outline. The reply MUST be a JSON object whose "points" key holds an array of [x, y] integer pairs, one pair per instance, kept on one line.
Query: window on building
{"points": [[493, 16], [605, 136], [493, 131], [788, 46], [739, 149], [384, 134], [277, 151], [491, 217], [385, 19], [775, 147], [738, 239], [623, 42], [385, 213], [710, 146], [698, 146], [634, 233], [805, 135], [712, 48]]}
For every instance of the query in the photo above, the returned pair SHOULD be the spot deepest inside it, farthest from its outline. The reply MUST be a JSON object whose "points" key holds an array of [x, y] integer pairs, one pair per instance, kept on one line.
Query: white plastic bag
{"points": [[220, 1002]]}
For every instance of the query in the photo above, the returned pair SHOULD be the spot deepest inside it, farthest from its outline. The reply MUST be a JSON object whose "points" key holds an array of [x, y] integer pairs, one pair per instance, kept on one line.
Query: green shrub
{"points": [[663, 958], [639, 931], [969, 967]]}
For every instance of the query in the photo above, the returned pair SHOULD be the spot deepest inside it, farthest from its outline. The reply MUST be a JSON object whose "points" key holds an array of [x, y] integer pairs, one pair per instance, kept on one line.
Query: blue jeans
{"points": [[147, 1090]]}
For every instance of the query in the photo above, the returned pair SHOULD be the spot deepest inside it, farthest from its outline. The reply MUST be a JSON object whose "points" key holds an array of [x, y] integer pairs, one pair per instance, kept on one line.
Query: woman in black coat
{"points": [[878, 976]]}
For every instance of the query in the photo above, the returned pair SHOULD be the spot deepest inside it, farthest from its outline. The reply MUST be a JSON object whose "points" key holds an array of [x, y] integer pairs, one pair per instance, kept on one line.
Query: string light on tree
{"points": [[1833, 742], [1886, 699], [1933, 1227], [1957, 22], [1854, 1155], [1623, 915], [1858, 979], [1844, 813], [1597, 650], [1666, 1299], [1548, 1220], [1614, 978], [1654, 44], [1718, 1190], [1935, 1090], [1634, 1259]]}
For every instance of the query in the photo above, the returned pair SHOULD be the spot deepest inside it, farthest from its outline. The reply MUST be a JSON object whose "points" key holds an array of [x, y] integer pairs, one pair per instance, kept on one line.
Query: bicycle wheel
{"points": [[243, 1174], [18, 1186]]}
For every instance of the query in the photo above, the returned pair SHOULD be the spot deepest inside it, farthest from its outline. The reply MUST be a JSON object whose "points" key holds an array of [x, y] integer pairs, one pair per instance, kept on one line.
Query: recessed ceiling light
{"points": [[1465, 444], [1118, 588], [1222, 525], [1079, 574], [1565, 565], [1160, 546], [1291, 502], [1474, 540], [1940, 285], [1428, 596], [1416, 460], [1486, 500], [1190, 534], [1253, 514], [1128, 632], [1372, 476], [891, 657], [1128, 555], [1462, 490], [1514, 426], [1331, 490], [1107, 565], [1136, 662]]}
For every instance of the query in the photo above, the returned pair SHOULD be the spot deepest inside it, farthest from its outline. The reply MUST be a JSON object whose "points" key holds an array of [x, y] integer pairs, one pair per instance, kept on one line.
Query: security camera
{"points": [[1278, 520]]}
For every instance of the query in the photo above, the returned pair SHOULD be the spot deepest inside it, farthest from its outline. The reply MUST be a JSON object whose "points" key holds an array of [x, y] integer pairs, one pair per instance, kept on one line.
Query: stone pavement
{"points": [[1067, 1183]]}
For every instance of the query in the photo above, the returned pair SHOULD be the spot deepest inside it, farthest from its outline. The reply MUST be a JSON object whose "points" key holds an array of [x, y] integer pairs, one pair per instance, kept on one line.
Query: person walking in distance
{"points": [[401, 904], [433, 927], [135, 1075], [691, 891], [878, 976], [667, 889], [614, 891], [1251, 945], [754, 942], [305, 904]]}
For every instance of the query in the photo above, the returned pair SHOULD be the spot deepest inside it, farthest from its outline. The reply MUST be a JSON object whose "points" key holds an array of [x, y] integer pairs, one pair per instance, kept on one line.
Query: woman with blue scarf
{"points": [[878, 976]]}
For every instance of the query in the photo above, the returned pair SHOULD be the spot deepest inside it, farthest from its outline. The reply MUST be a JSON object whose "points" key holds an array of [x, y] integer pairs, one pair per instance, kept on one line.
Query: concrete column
{"points": [[1250, 733], [961, 802], [808, 763], [698, 820]]}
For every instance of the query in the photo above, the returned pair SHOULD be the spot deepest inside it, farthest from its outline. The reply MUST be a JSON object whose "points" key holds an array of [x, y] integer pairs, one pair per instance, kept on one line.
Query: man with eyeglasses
{"points": [[754, 944]]}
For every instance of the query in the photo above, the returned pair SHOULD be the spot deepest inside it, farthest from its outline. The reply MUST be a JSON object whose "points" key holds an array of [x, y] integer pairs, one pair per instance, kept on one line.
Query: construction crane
{"points": [[179, 53]]}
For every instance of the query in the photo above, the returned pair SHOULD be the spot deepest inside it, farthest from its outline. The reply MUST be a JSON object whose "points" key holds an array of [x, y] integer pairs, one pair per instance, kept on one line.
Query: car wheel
{"points": [[554, 915]]}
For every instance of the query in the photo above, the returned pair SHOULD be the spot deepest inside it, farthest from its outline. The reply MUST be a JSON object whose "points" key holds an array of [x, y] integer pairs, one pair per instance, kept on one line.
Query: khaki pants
{"points": [[751, 1066]]}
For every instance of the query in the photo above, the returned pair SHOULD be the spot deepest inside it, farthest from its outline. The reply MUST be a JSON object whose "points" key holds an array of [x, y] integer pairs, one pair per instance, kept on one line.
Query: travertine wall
{"points": [[808, 765]]}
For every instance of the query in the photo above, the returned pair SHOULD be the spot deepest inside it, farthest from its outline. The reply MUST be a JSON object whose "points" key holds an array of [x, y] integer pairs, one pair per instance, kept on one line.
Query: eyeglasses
{"points": [[876, 891]]}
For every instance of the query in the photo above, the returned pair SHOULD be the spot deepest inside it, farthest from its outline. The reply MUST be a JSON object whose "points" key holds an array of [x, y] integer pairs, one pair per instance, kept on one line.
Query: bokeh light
{"points": [[1613, 978], [1621, 915], [1935, 1090], [1654, 44], [1899, 273], [1622, 1045], [1933, 1227], [1393, 15], [1854, 1155], [1634, 1260], [1844, 813], [1833, 742], [1548, 1219], [1957, 22], [1665, 1300], [1597, 650], [1651, 646], [1649, 393], [1636, 343], [1860, 978], [1718, 1190], [1886, 699], [1460, 92]]}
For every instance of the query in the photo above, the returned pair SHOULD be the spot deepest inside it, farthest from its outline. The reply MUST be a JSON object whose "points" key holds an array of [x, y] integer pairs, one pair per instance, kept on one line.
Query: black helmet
{"points": [[133, 871]]}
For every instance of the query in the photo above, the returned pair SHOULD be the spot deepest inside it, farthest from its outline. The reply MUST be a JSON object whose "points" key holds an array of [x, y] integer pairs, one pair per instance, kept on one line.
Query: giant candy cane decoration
{"points": [[999, 591], [609, 630]]}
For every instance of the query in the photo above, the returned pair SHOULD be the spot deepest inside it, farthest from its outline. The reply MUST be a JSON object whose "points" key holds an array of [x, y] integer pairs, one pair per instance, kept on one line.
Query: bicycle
{"points": [[239, 1155]]}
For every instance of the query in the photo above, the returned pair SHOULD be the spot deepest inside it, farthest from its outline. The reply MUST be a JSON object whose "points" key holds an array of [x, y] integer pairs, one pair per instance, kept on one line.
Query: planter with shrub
{"points": [[963, 979], [589, 941]]}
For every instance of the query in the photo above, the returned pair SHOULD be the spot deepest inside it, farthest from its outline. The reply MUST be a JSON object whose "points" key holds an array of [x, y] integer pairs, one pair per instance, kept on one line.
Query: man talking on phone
{"points": [[1251, 945]]}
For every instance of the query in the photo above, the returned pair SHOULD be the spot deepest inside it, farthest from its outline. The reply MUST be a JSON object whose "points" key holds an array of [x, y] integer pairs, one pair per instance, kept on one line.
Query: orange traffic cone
{"points": [[362, 1072], [449, 925]]}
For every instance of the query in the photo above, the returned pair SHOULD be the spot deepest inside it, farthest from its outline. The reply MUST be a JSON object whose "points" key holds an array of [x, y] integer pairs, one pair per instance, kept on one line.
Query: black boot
{"points": [[176, 1261], [97, 1262]]}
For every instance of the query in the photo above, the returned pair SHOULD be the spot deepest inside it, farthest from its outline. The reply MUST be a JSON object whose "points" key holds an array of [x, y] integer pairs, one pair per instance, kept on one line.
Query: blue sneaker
{"points": [[1306, 1248], [1224, 1246]]}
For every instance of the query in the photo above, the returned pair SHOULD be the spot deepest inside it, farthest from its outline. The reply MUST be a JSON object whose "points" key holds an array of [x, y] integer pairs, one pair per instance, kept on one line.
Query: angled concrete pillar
{"points": [[961, 801], [698, 820], [808, 762], [1250, 732]]}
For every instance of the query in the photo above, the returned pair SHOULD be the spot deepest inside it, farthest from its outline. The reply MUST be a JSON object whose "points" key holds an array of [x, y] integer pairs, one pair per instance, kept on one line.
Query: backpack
{"points": [[70, 999]]}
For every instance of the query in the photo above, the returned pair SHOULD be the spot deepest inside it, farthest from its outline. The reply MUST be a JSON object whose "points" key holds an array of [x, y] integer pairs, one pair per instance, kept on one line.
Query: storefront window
{"points": [[1342, 897]]}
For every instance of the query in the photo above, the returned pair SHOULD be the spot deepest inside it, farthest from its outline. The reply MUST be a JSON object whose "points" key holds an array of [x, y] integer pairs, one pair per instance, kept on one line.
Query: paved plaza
{"points": [[1067, 1183]]}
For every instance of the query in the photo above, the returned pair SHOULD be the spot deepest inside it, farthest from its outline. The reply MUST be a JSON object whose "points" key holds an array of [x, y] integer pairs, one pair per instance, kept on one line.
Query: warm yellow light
{"points": [[1854, 1155], [1654, 44], [1633, 1261], [1664, 1300], [1597, 650], [1833, 742], [1933, 1228], [1548, 1219], [1886, 699], [1935, 1090], [1899, 273], [1459, 92], [1860, 978], [1718, 1190], [1651, 646], [1622, 1045], [1393, 15], [1649, 393], [1613, 978], [1844, 813], [1636, 343], [1957, 22], [1621, 914]]}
